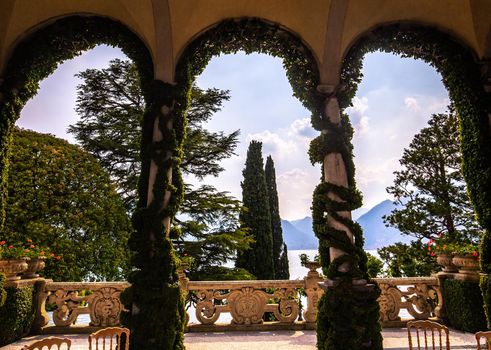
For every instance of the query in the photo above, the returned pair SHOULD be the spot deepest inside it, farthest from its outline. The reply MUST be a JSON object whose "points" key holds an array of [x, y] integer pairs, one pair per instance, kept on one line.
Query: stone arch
{"points": [[464, 80], [254, 35], [257, 35], [154, 278]]}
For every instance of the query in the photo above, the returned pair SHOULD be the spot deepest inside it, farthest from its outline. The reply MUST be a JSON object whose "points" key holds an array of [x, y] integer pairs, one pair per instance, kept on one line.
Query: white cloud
{"points": [[295, 189], [356, 112], [274, 144], [412, 104], [363, 126], [302, 128], [360, 105]]}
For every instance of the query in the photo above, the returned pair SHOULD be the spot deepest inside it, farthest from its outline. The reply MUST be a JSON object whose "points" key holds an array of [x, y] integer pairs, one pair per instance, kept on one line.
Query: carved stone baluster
{"points": [[105, 307], [390, 303], [42, 318], [287, 309], [206, 311], [67, 307], [313, 291], [247, 305]]}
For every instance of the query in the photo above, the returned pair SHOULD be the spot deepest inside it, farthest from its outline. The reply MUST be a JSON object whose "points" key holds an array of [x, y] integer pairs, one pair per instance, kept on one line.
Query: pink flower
{"points": [[432, 254], [2, 242]]}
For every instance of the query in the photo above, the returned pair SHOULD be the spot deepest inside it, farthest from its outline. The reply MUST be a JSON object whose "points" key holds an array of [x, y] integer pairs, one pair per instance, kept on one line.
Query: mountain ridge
{"points": [[298, 234]]}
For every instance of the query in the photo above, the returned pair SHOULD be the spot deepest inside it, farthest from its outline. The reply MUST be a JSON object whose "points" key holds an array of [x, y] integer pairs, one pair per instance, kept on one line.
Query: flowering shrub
{"points": [[36, 252], [25, 250], [441, 245], [11, 251]]}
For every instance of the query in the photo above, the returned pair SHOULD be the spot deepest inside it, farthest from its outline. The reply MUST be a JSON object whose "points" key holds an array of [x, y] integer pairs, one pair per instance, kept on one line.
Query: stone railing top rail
{"points": [[192, 285], [402, 281], [53, 286]]}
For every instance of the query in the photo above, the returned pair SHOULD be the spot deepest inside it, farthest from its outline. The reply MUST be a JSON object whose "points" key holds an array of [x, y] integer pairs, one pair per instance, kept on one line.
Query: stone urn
{"points": [[312, 266], [467, 263], [33, 266], [12, 268], [445, 260]]}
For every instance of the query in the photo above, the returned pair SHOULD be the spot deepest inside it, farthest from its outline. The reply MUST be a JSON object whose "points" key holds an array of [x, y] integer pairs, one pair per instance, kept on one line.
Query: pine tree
{"points": [[431, 188], [256, 216], [280, 252], [111, 108]]}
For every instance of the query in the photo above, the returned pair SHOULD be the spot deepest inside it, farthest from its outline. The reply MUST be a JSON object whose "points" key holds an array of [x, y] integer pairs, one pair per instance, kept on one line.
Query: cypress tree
{"points": [[256, 216], [280, 252]]}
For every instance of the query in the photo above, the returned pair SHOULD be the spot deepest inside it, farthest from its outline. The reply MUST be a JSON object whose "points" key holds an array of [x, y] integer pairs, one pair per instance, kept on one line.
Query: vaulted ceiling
{"points": [[328, 27]]}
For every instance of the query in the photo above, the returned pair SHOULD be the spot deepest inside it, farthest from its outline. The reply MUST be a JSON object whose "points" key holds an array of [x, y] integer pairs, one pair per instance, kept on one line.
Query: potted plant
{"points": [[440, 248], [13, 260], [37, 256], [466, 258]]}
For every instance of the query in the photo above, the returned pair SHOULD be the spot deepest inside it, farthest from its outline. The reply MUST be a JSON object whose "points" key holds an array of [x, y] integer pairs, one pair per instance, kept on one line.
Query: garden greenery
{"points": [[462, 78], [154, 278], [158, 313]]}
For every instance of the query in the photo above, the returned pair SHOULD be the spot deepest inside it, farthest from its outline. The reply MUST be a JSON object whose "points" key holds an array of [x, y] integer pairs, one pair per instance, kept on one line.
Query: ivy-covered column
{"points": [[348, 310], [155, 305]]}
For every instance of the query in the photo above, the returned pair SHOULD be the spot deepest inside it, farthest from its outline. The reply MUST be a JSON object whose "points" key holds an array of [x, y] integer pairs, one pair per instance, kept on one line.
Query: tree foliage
{"points": [[280, 250], [408, 260], [256, 216], [112, 108], [59, 195], [431, 188]]}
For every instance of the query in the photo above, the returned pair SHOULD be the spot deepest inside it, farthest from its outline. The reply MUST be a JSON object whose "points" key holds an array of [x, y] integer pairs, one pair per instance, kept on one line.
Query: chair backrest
{"points": [[425, 329], [487, 338], [51, 343], [110, 338]]}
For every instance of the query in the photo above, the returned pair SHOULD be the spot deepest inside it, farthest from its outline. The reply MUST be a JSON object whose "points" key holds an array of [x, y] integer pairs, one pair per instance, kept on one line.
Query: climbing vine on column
{"points": [[154, 294], [348, 317], [462, 77]]}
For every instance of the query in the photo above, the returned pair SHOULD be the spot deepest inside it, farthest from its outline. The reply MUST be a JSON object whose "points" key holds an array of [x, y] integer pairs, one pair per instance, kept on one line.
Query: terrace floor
{"points": [[394, 339]]}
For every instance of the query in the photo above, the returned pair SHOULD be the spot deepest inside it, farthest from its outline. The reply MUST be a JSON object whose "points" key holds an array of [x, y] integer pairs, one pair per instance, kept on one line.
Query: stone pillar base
{"points": [[364, 294]]}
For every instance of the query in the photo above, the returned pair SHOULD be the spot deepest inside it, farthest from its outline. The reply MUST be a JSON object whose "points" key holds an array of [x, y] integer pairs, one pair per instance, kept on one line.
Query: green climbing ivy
{"points": [[348, 316], [154, 281], [461, 76]]}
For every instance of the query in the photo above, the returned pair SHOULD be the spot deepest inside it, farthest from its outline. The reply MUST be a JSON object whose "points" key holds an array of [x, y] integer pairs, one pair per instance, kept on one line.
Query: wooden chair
{"points": [[50, 343], [486, 336], [117, 338], [423, 329]]}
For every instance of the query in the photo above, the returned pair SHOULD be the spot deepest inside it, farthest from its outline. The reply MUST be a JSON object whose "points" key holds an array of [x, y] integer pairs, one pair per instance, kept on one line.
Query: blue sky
{"points": [[394, 101]]}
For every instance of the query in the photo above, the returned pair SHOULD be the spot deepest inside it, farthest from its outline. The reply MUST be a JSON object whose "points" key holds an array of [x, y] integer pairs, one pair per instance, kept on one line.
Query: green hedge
{"points": [[17, 314], [464, 305], [3, 292]]}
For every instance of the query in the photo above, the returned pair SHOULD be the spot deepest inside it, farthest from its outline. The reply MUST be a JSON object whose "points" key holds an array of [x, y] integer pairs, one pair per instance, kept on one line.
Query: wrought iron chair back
{"points": [[424, 329], [51, 343], [110, 338], [487, 337]]}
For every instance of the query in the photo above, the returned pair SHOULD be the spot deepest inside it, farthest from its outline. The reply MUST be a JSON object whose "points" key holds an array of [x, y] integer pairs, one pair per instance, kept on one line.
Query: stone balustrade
{"points": [[419, 296], [245, 302], [69, 300]]}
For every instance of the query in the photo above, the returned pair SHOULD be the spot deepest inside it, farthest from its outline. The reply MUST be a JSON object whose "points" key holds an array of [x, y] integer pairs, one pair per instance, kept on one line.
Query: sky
{"points": [[394, 101]]}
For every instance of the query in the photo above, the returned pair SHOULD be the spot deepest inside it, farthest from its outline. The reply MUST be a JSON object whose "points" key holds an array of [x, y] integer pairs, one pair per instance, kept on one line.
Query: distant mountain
{"points": [[298, 234], [299, 239], [376, 234]]}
